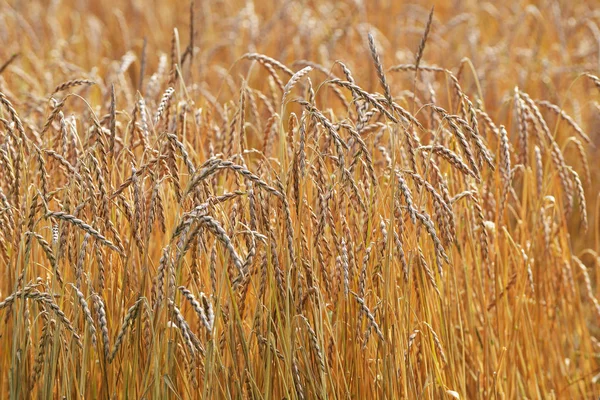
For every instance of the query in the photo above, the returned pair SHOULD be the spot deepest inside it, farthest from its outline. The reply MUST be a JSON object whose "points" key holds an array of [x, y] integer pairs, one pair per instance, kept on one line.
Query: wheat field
{"points": [[299, 199]]}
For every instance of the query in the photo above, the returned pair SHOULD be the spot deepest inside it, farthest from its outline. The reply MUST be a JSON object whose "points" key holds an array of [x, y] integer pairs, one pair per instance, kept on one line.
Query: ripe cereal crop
{"points": [[299, 199]]}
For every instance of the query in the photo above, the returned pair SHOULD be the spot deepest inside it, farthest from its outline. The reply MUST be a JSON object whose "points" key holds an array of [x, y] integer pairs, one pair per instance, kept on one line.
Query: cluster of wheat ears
{"points": [[298, 200]]}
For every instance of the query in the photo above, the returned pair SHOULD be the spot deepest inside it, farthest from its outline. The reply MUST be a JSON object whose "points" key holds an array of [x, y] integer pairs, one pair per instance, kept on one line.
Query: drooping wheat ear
{"points": [[164, 104], [154, 83], [268, 136], [65, 134], [158, 289], [302, 146], [430, 189], [505, 168], [364, 151], [209, 310], [474, 194], [350, 79], [319, 67], [80, 224], [292, 124], [362, 279], [127, 182], [48, 301], [100, 310], [112, 120], [566, 183], [238, 119], [331, 129], [56, 110], [138, 207], [379, 67], [424, 218], [212, 268], [398, 241], [321, 239], [567, 275], [482, 151], [155, 210], [442, 184], [588, 285], [45, 246], [33, 208], [475, 126], [404, 114], [81, 260], [64, 163], [580, 198], [4, 246], [522, 123], [199, 309], [173, 169], [268, 61], [275, 82], [527, 262], [539, 171], [86, 312], [72, 83], [184, 329], [8, 126], [345, 268], [411, 340], [45, 338], [314, 341], [10, 172], [254, 108], [406, 193], [43, 172], [216, 229], [369, 316], [26, 322], [126, 61], [201, 209], [355, 195], [462, 140], [363, 94], [10, 299], [141, 106], [583, 159], [101, 197], [296, 379], [563, 115], [487, 120], [101, 267], [289, 227], [467, 194], [8, 209], [438, 345], [557, 156], [428, 272], [211, 166], [129, 319], [384, 236], [451, 157], [293, 81]]}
